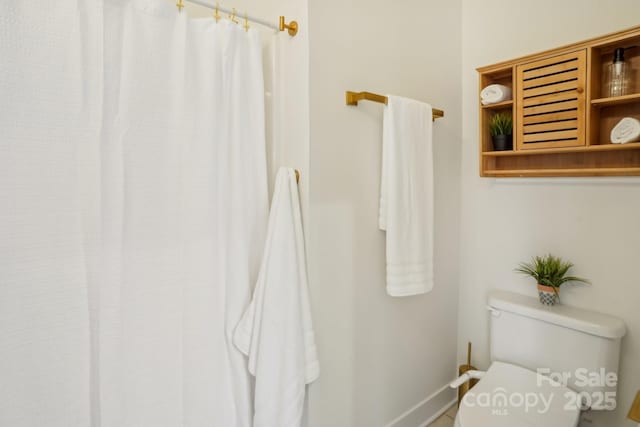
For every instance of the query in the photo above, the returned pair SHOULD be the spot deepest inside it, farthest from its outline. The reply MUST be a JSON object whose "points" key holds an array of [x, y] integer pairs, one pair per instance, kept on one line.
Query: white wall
{"points": [[379, 355], [593, 222]]}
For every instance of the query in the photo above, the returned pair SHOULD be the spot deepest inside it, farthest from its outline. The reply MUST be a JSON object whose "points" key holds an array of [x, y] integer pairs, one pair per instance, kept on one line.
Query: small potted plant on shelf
{"points": [[550, 273], [501, 129]]}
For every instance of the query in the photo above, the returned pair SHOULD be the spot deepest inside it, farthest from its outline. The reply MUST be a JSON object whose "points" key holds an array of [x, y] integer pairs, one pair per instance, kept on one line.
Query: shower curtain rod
{"points": [[291, 27]]}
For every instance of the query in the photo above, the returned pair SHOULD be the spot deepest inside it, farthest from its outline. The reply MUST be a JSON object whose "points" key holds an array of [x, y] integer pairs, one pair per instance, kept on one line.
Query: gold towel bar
{"points": [[354, 97]]}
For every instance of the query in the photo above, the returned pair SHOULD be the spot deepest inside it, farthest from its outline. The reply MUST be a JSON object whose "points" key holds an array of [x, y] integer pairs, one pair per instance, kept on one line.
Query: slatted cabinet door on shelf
{"points": [[551, 102]]}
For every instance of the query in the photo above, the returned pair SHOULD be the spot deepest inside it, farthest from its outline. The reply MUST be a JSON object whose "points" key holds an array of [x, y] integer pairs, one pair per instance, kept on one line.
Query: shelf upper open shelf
{"points": [[498, 105], [616, 100]]}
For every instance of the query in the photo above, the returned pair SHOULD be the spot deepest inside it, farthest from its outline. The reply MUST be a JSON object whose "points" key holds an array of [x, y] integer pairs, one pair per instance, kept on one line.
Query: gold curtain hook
{"points": [[216, 14], [180, 5], [246, 22], [232, 17]]}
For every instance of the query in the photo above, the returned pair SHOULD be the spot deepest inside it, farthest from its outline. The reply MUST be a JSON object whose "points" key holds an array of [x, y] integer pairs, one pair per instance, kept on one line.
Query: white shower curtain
{"points": [[133, 211]]}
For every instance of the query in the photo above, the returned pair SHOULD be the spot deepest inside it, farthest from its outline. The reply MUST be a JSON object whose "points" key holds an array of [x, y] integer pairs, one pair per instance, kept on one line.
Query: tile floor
{"points": [[446, 419]]}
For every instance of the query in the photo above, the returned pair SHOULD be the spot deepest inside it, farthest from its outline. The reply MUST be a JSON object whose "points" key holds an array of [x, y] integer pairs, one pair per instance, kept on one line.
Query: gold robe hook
{"points": [[216, 14], [232, 17], [246, 22]]}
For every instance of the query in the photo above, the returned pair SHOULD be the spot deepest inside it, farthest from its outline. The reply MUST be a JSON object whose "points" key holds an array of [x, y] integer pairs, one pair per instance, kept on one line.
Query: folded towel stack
{"points": [[495, 93], [627, 130]]}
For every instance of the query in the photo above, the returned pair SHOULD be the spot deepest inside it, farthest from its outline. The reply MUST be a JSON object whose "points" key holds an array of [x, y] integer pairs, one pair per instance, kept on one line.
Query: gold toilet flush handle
{"points": [[634, 412]]}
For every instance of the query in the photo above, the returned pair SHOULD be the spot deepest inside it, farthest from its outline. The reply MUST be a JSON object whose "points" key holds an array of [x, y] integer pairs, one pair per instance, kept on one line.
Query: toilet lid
{"points": [[511, 396]]}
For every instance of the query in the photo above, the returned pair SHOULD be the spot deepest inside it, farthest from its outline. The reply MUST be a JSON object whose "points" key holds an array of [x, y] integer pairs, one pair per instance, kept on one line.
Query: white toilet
{"points": [[526, 336]]}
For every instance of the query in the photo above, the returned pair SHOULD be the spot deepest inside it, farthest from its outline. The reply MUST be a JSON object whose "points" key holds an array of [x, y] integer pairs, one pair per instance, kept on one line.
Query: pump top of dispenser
{"points": [[618, 55]]}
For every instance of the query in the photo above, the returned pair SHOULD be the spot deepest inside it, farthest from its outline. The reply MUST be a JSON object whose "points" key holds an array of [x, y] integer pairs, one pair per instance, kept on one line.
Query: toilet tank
{"points": [[577, 347]]}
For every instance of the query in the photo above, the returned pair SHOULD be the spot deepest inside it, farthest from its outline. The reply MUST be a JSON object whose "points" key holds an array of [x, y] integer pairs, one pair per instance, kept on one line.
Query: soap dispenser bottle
{"points": [[618, 76]]}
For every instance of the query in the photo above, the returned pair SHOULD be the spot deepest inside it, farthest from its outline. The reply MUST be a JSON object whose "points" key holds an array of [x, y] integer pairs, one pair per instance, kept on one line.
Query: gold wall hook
{"points": [[291, 27], [216, 13], [246, 22], [232, 17], [180, 5]]}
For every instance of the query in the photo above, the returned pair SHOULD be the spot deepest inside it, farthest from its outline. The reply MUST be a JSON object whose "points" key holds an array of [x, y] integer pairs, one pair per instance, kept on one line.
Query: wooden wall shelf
{"points": [[497, 105], [522, 173], [616, 100], [585, 149], [562, 121]]}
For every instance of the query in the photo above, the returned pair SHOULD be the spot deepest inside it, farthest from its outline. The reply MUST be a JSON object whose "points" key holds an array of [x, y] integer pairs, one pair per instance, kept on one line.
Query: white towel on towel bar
{"points": [[276, 331], [406, 196], [495, 93]]}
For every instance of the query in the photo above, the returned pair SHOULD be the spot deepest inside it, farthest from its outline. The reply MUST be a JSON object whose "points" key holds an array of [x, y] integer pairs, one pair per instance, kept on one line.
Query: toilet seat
{"points": [[505, 397]]}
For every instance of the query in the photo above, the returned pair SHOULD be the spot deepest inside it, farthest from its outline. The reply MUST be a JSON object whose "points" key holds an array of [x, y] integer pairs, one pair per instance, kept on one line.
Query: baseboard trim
{"points": [[439, 413], [419, 405]]}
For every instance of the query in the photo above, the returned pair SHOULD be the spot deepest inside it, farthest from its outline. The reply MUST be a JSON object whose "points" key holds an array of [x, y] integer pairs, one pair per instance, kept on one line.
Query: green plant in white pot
{"points": [[550, 273]]}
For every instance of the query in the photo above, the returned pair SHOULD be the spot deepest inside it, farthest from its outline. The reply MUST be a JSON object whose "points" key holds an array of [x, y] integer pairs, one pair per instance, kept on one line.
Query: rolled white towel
{"points": [[495, 93], [627, 130]]}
